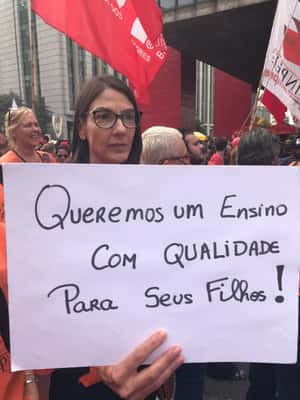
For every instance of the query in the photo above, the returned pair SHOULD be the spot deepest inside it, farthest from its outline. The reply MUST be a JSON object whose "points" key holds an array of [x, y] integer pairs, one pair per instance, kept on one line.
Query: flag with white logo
{"points": [[281, 74], [150, 17], [113, 31]]}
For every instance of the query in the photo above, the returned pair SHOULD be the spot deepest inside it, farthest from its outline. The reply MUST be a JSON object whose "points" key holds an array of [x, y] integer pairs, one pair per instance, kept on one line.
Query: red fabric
{"points": [[150, 16], [232, 113], [165, 90], [283, 128], [235, 142], [90, 378], [216, 159], [291, 44], [274, 105], [110, 30]]}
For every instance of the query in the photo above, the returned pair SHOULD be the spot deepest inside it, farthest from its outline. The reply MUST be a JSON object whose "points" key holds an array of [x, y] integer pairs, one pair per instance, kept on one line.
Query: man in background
{"points": [[196, 143]]}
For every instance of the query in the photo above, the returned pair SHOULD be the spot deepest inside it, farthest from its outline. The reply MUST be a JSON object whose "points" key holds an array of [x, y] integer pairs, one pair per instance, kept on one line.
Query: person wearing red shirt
{"points": [[218, 157]]}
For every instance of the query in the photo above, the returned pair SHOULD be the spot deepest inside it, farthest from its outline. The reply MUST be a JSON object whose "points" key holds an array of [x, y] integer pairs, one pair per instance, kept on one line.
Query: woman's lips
{"points": [[118, 145]]}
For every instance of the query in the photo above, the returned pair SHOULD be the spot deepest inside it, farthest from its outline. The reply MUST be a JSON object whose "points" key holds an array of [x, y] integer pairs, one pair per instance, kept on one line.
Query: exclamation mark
{"points": [[280, 268]]}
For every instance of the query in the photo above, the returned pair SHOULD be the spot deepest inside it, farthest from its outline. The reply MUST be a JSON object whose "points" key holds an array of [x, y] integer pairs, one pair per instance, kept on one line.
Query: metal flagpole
{"points": [[17, 49], [254, 107], [33, 60]]}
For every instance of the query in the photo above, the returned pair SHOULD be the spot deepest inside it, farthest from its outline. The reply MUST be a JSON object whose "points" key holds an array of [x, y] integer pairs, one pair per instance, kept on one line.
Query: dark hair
{"points": [[185, 132], [93, 88], [220, 143], [63, 147], [4, 321], [258, 147]]}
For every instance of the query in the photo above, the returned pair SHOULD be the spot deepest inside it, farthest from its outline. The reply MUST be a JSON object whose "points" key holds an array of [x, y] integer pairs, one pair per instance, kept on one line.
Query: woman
{"points": [[24, 135], [62, 154], [107, 130], [18, 385]]}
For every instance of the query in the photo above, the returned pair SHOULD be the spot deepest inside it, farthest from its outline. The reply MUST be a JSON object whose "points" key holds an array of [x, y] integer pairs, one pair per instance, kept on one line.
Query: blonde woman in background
{"points": [[24, 135], [23, 132]]}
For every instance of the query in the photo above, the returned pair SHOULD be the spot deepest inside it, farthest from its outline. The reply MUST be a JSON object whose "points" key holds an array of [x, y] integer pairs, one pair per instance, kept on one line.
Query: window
{"points": [[81, 55], [95, 65], [70, 67]]}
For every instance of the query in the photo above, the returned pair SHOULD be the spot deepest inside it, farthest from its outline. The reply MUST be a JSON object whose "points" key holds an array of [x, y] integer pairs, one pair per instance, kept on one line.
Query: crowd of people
{"points": [[59, 150], [107, 129]]}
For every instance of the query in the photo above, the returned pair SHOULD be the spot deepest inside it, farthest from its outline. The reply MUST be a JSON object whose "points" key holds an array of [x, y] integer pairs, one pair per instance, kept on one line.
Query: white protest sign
{"points": [[100, 256]]}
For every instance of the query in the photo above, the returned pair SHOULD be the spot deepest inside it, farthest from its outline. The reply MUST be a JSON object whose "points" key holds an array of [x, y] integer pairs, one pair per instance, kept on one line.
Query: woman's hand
{"points": [[124, 379], [31, 391]]}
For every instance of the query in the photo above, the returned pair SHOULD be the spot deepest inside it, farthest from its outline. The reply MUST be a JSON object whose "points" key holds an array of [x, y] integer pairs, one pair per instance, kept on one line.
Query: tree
{"points": [[42, 113]]}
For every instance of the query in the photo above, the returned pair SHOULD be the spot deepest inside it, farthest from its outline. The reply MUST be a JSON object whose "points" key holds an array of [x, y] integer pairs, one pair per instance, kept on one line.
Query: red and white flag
{"points": [[114, 31], [281, 74], [151, 17]]}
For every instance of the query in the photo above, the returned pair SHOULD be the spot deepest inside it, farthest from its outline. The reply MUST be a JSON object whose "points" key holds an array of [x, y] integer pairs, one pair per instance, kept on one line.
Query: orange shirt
{"points": [[1, 205], [12, 383], [12, 157]]}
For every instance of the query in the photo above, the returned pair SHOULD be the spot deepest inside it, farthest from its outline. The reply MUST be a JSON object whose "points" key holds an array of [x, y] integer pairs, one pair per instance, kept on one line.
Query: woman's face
{"points": [[109, 145], [27, 133], [62, 155]]}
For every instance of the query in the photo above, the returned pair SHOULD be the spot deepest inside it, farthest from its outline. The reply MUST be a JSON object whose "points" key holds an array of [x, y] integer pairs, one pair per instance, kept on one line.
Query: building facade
{"points": [[60, 65]]}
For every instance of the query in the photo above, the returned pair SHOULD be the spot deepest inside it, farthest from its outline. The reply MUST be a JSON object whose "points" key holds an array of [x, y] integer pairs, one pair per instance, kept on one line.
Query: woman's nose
{"points": [[119, 127]]}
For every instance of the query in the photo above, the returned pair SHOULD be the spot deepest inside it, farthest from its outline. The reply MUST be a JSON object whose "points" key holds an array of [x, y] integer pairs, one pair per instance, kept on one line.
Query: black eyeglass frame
{"points": [[121, 116]]}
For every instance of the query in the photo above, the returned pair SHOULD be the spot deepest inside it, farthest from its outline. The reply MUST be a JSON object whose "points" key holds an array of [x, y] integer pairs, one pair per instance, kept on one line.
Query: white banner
{"points": [[100, 256], [281, 74]]}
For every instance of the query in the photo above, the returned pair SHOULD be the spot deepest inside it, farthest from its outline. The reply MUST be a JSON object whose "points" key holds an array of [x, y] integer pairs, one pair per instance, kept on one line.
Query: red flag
{"points": [[291, 44], [151, 17], [282, 65], [112, 31], [274, 105]]}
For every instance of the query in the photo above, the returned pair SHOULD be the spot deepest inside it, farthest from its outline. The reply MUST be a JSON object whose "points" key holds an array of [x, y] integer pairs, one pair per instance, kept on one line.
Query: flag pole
{"points": [[33, 59], [254, 107], [273, 110], [251, 114], [246, 120]]}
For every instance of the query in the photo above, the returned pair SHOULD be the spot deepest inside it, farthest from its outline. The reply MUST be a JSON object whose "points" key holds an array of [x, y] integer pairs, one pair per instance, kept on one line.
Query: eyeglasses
{"points": [[177, 160], [105, 118]]}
